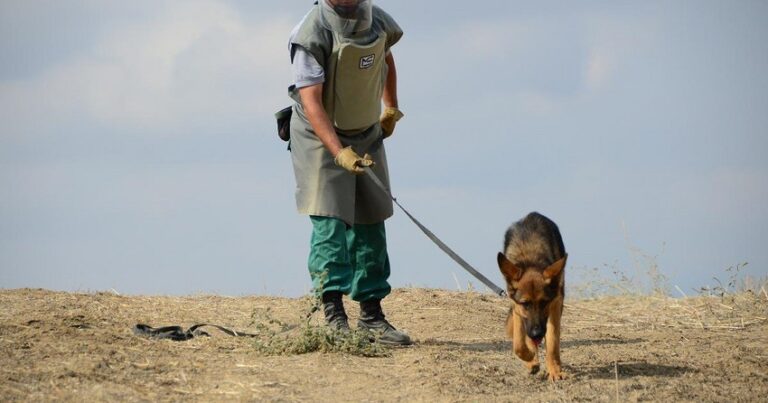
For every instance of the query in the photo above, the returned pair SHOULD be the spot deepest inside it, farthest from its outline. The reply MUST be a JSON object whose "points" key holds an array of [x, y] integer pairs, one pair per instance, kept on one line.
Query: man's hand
{"points": [[388, 119], [348, 159]]}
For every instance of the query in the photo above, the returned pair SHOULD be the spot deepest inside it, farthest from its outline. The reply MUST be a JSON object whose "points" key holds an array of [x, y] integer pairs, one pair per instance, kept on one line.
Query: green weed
{"points": [[280, 338], [311, 338]]}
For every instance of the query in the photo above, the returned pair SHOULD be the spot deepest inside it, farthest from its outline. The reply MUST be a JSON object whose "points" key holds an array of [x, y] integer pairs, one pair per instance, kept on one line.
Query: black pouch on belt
{"points": [[283, 117]]}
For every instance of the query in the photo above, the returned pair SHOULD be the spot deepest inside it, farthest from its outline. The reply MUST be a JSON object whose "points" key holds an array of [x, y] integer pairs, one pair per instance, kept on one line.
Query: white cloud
{"points": [[194, 60], [615, 41], [538, 103], [543, 66], [743, 190], [483, 39], [600, 66]]}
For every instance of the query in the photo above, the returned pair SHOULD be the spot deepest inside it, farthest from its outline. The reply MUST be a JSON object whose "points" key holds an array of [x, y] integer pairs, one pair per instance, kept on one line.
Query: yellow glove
{"points": [[348, 159], [388, 119]]}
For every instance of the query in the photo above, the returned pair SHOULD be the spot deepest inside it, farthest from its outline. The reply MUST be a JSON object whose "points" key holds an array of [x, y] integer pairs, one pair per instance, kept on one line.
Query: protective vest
{"points": [[355, 70], [354, 83]]}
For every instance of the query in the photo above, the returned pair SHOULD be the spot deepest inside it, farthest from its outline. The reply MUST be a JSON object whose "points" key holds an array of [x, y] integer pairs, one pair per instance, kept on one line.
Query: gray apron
{"points": [[325, 189]]}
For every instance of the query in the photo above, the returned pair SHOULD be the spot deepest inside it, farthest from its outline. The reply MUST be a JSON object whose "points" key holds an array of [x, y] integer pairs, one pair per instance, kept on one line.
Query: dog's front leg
{"points": [[554, 371], [523, 349]]}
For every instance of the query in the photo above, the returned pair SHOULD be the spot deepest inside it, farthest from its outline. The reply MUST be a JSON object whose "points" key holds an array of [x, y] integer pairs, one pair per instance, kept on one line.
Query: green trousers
{"points": [[352, 260]]}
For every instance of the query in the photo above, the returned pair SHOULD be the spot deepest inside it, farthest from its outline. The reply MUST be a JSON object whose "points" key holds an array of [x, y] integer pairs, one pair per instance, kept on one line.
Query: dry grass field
{"points": [[80, 347]]}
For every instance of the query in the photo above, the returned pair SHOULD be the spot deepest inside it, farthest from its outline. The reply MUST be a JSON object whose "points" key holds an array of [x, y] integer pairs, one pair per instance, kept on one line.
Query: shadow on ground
{"points": [[480, 347], [597, 342], [506, 345], [629, 370]]}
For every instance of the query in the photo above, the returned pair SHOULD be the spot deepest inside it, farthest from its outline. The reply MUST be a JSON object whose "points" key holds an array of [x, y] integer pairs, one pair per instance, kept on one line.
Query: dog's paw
{"points": [[533, 367], [555, 375]]}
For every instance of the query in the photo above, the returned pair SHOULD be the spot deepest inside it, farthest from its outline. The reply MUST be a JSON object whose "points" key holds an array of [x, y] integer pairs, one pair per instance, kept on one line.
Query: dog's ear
{"points": [[555, 271], [511, 273]]}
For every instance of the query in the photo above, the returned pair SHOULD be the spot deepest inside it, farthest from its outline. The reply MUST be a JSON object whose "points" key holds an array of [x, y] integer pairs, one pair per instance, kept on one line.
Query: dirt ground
{"points": [[80, 346]]}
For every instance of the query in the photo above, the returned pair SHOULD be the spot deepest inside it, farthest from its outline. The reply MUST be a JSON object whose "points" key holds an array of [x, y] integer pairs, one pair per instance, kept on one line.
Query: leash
{"points": [[488, 283], [177, 333]]}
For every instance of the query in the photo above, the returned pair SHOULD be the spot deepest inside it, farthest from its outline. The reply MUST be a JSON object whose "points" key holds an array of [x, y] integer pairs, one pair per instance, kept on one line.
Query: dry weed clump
{"points": [[279, 338], [733, 304], [701, 312], [726, 309], [644, 278], [312, 338]]}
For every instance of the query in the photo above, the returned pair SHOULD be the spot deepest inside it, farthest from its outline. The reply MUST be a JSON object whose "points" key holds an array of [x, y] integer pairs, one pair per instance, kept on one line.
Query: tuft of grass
{"points": [[281, 338], [311, 338], [724, 290], [644, 278], [608, 280]]}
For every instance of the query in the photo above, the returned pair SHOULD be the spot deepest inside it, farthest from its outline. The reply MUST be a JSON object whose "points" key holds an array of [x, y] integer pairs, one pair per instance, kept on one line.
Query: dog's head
{"points": [[532, 291]]}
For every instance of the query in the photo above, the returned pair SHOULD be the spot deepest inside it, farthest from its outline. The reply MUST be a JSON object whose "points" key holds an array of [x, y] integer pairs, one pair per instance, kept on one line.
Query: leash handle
{"points": [[453, 255]]}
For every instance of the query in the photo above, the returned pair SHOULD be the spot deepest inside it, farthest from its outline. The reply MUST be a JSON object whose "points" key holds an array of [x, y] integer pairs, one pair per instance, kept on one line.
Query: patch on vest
{"points": [[367, 61]]}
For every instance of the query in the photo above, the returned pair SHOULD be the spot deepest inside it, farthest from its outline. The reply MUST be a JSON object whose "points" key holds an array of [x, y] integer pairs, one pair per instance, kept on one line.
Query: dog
{"points": [[533, 265]]}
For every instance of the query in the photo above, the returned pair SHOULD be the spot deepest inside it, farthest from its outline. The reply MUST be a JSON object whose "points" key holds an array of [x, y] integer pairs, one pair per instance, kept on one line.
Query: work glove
{"points": [[388, 119], [348, 159]]}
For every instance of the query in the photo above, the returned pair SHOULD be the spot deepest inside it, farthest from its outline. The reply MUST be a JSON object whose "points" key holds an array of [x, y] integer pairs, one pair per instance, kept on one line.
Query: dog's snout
{"points": [[537, 332]]}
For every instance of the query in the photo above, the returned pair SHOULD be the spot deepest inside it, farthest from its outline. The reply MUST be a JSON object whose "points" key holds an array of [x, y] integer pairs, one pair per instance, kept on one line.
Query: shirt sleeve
{"points": [[306, 70], [390, 26]]}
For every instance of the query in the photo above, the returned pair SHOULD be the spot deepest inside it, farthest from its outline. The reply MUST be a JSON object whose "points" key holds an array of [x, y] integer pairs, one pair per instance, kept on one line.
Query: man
{"points": [[343, 71]]}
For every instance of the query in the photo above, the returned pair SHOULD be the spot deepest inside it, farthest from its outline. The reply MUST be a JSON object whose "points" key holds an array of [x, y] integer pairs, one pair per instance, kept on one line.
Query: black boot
{"points": [[334, 311], [372, 319]]}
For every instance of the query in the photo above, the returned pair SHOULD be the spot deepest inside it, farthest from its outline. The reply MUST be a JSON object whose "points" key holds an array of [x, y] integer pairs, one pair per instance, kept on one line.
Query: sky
{"points": [[138, 151]]}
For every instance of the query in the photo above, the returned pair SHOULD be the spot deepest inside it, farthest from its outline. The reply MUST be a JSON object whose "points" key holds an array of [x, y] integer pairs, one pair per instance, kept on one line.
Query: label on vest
{"points": [[366, 62]]}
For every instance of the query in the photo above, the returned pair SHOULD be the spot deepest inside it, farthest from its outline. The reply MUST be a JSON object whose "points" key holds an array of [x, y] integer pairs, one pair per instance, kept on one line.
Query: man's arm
{"points": [[312, 101], [389, 96], [390, 87]]}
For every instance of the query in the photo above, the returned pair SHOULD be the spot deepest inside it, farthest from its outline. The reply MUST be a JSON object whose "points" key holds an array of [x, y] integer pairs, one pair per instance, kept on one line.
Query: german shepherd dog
{"points": [[532, 264]]}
